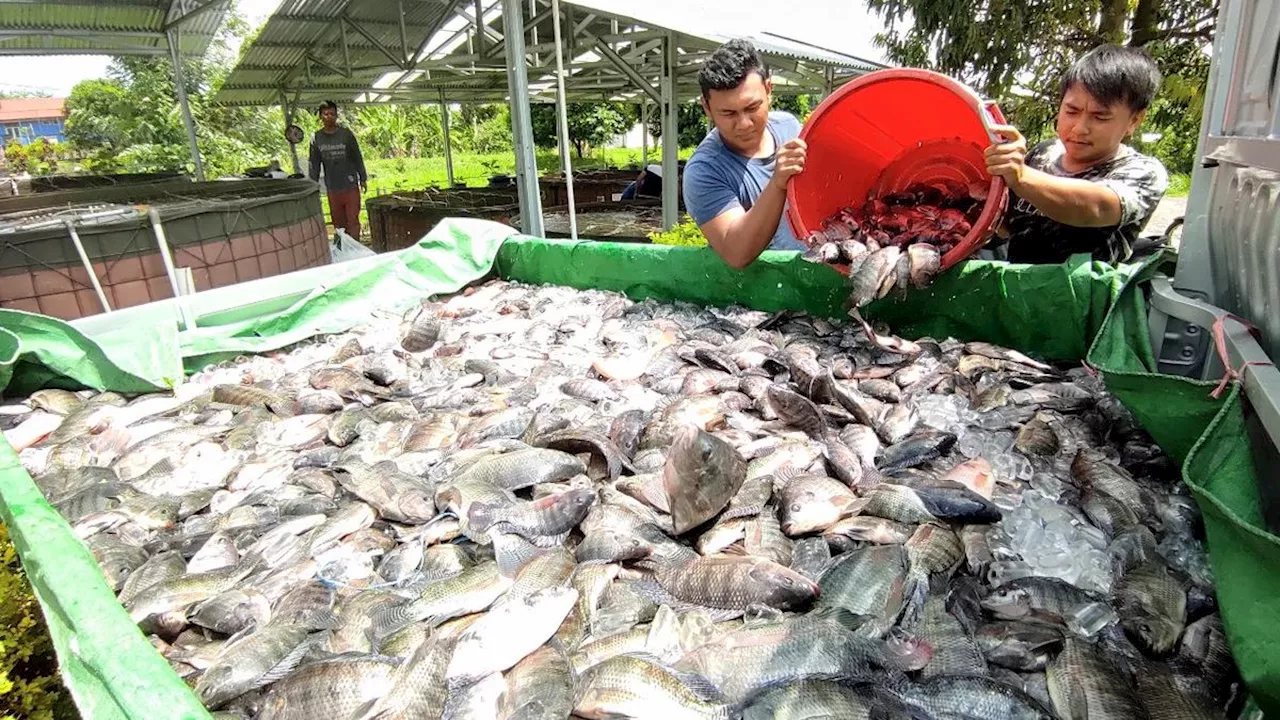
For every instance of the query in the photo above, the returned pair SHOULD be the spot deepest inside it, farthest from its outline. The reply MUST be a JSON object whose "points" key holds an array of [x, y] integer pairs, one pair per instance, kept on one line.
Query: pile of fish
{"points": [[538, 502], [898, 239]]}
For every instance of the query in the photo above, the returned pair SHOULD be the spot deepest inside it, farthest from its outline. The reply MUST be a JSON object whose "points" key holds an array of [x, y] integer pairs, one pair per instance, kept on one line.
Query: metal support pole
{"points": [[565, 162], [670, 141], [288, 120], [404, 41], [644, 132], [608, 53], [346, 47], [448, 142], [88, 266], [521, 122], [480, 39], [188, 322], [179, 87]]}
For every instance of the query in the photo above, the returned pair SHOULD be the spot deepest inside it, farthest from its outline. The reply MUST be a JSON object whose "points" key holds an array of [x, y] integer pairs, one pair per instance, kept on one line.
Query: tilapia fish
{"points": [[529, 503]]}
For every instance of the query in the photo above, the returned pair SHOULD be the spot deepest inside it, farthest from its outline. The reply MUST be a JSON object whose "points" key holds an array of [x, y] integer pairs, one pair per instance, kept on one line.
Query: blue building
{"points": [[29, 119]]}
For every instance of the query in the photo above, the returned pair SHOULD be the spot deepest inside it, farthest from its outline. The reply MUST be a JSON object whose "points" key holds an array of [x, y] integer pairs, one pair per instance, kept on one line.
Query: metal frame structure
{"points": [[163, 28], [490, 51]]}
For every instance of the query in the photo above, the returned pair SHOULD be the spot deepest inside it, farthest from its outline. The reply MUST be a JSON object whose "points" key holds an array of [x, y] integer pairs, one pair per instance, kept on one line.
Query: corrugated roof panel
{"points": [[112, 27], [313, 27]]}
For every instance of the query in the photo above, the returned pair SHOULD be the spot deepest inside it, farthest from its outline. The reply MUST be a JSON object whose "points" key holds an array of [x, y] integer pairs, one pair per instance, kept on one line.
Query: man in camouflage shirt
{"points": [[1086, 191]]}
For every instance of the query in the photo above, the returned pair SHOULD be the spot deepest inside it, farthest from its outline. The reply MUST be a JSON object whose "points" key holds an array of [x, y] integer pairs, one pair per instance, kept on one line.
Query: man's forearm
{"points": [[1071, 201], [750, 234]]}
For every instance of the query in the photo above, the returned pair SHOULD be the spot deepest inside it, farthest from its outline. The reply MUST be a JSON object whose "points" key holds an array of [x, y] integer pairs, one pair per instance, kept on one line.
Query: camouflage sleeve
{"points": [[1140, 186]]}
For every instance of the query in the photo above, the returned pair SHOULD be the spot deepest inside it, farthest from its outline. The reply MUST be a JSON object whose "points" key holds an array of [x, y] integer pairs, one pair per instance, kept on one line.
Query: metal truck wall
{"points": [[225, 232], [1230, 254]]}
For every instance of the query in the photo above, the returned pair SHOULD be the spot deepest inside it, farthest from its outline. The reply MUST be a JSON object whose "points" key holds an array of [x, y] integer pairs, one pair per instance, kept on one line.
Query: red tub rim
{"points": [[997, 194]]}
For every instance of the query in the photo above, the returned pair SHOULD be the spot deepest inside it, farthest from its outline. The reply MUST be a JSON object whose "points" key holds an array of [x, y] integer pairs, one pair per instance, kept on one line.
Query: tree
{"points": [[691, 125], [1016, 51], [590, 123], [130, 121]]}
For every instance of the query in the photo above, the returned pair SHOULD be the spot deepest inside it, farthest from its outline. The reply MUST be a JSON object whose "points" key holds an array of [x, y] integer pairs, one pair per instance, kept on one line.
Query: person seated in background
{"points": [[735, 185], [647, 184], [1085, 191]]}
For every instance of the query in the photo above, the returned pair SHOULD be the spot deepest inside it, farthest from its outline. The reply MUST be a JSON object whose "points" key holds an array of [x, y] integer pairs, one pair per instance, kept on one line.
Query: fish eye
{"points": [[795, 507]]}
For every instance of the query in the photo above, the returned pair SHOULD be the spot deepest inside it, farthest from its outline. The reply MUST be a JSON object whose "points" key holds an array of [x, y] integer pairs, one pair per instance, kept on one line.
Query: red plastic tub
{"points": [[890, 129]]}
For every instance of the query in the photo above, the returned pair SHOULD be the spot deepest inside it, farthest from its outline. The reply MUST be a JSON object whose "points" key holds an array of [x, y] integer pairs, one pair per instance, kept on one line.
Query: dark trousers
{"points": [[344, 209]]}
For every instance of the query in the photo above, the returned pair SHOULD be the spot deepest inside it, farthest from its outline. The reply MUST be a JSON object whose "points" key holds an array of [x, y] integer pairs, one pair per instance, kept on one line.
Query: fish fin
{"points": [[783, 476], [290, 662], [844, 617], [699, 685], [737, 550], [549, 541]]}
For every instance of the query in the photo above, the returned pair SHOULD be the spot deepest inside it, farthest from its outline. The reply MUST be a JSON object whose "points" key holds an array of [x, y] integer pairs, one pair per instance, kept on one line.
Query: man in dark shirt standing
{"points": [[335, 148], [1086, 191]]}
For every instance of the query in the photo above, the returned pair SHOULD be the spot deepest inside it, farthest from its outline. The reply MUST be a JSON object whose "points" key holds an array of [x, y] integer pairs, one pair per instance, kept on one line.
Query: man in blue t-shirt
{"points": [[735, 185]]}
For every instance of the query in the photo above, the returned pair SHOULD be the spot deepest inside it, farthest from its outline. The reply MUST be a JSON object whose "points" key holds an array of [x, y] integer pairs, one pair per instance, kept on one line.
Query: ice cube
{"points": [[1090, 619], [1093, 536], [1006, 498], [1046, 484], [1003, 571], [1029, 540], [970, 443]]}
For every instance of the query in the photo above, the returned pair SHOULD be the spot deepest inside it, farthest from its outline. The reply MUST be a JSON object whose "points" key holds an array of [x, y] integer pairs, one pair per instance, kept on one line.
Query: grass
{"points": [[389, 175], [1179, 185]]}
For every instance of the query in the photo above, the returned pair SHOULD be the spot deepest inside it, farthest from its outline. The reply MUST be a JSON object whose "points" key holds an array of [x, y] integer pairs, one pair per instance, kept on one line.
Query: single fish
{"points": [[251, 662], [472, 590], [1084, 683], [1021, 646], [869, 583], [735, 584], [627, 686], [335, 688], [539, 687], [701, 475], [797, 410], [1152, 606], [813, 503], [975, 698], [551, 516], [505, 635]]}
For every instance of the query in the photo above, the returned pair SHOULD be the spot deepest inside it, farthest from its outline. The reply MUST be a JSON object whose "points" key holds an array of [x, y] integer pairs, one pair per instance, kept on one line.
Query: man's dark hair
{"points": [[728, 66], [1112, 74], [326, 105]]}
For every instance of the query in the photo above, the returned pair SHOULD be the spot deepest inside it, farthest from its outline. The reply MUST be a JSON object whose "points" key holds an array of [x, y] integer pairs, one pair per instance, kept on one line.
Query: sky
{"points": [[57, 74], [843, 25]]}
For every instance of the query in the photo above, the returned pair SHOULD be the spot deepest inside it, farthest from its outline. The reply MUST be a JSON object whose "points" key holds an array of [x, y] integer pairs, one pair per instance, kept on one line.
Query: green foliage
{"points": [[691, 125], [686, 233], [29, 682], [1017, 53], [798, 105], [590, 123], [38, 158], [130, 121], [1179, 185]]}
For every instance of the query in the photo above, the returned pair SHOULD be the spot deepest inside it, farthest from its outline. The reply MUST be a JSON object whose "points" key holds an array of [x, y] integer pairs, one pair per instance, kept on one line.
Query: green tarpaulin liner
{"points": [[1071, 312]]}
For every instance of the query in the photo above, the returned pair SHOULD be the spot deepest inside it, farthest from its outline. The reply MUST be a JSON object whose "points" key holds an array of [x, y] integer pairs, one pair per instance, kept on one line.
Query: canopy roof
{"points": [[415, 50], [107, 27]]}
